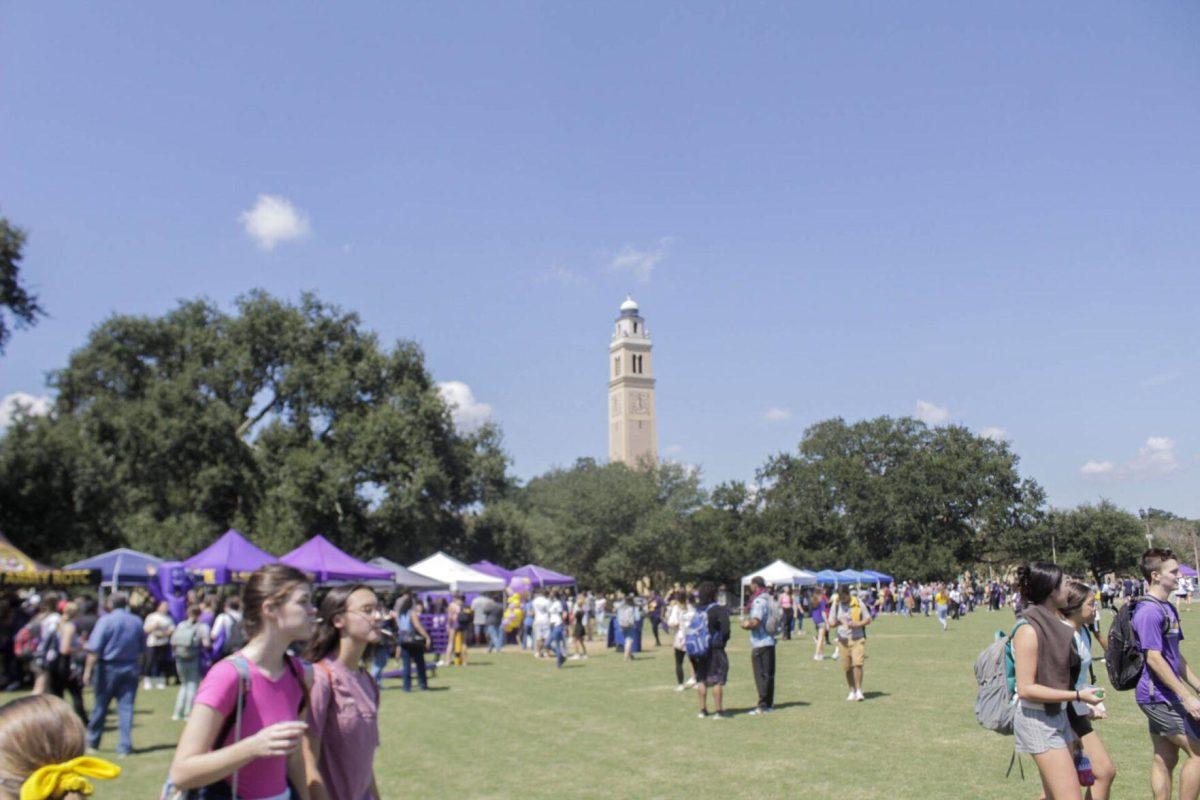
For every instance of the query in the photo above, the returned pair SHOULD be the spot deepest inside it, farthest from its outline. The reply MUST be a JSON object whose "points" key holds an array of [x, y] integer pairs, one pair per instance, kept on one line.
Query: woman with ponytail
{"points": [[1047, 666], [343, 731], [1080, 612], [259, 689], [42, 744]]}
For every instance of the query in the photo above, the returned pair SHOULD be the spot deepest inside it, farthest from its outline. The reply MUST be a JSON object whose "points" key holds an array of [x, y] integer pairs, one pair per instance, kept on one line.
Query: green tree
{"points": [[283, 420], [896, 495], [1091, 539], [18, 307]]}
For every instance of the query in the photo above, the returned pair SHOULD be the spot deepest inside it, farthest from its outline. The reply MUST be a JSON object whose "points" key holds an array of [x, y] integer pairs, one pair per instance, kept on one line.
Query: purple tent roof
{"points": [[1187, 571], [495, 570], [540, 576], [229, 559], [326, 563]]}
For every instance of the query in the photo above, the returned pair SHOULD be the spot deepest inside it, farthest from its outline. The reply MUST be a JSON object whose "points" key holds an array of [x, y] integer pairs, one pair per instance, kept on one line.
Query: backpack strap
{"points": [[303, 674], [243, 672]]}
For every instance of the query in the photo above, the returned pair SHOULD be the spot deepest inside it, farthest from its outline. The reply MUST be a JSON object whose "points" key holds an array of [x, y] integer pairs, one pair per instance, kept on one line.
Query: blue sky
{"points": [[990, 210]]}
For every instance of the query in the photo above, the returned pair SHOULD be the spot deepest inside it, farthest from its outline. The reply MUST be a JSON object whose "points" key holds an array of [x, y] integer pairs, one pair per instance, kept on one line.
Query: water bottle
{"points": [[1083, 768]]}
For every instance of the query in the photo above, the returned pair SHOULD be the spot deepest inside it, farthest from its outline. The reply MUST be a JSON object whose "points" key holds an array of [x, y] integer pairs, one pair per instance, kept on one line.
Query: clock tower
{"points": [[632, 435]]}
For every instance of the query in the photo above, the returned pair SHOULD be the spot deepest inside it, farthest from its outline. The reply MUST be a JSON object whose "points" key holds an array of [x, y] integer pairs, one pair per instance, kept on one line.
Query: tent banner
{"points": [[59, 578]]}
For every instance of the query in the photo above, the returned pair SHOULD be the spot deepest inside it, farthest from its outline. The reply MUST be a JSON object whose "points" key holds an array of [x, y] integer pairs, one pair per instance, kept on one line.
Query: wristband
{"points": [[1076, 695]]}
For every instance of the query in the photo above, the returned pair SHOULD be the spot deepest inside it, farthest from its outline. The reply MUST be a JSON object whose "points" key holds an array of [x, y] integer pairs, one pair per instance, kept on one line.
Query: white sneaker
{"points": [[836, 652], [146, 684], [858, 695], [702, 715], [818, 658], [690, 683], [850, 698], [161, 685], [680, 688]]}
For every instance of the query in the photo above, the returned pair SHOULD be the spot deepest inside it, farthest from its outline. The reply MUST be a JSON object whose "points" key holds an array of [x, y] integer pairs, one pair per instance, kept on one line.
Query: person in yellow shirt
{"points": [[941, 604]]}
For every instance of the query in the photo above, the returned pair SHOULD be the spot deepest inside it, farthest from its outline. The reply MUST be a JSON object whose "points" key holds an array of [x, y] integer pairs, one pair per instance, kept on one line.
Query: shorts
{"points": [[712, 669], [579, 631], [1169, 719], [1035, 730], [852, 652], [1081, 724]]}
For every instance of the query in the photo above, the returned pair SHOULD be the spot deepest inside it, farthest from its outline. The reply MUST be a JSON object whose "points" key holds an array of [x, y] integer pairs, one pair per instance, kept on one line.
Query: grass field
{"points": [[510, 726]]}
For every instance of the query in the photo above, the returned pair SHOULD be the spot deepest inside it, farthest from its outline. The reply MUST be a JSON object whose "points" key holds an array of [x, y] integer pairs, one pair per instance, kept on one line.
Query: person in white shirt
{"points": [[679, 616], [541, 623], [556, 612], [158, 628]]}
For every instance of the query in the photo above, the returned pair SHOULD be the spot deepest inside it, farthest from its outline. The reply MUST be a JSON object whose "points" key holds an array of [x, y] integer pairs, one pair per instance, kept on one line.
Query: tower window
{"points": [[635, 327], [616, 366]]}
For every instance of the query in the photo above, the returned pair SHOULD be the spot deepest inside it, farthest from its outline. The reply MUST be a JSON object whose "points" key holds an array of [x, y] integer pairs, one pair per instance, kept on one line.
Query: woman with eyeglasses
{"points": [[343, 723]]}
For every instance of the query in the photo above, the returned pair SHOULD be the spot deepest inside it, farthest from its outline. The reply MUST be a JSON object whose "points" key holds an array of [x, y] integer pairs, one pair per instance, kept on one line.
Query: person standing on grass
{"points": [[712, 668], [1047, 666], [64, 670], [851, 617], [1080, 612], [343, 709], [679, 616], [541, 623], [114, 651], [1163, 690], [414, 640], [495, 617], [277, 610], [628, 618], [190, 638], [556, 613], [158, 628], [762, 646], [786, 602]]}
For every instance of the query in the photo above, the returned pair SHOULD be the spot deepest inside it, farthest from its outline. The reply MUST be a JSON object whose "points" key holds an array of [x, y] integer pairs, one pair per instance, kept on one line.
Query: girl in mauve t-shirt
{"points": [[343, 731], [278, 611]]}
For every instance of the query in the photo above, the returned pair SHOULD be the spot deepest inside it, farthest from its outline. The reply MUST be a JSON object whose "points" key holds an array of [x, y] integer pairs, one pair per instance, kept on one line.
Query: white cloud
{"points": [[467, 413], [997, 435], [33, 405], [640, 262], [777, 414], [273, 220], [1155, 458], [1097, 469], [932, 414]]}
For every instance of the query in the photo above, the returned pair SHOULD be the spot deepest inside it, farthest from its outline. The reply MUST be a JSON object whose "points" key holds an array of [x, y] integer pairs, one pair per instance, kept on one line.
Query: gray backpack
{"points": [[773, 619], [995, 703]]}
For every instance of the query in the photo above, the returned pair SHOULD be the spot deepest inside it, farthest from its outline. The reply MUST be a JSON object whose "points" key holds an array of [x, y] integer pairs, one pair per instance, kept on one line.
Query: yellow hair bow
{"points": [[54, 780]]}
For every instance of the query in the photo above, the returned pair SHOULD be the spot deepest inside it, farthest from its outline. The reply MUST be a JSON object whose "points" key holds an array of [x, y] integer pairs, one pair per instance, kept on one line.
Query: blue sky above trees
{"points": [[974, 215]]}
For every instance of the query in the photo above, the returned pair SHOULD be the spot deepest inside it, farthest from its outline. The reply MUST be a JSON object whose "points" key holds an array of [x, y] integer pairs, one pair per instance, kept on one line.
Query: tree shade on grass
{"points": [[510, 726]]}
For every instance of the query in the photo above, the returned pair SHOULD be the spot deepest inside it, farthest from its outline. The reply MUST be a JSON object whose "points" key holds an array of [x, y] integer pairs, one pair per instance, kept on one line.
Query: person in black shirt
{"points": [[712, 669]]}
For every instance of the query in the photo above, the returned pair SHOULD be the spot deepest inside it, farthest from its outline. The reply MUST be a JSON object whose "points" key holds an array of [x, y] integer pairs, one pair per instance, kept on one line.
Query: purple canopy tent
{"points": [[540, 576], [327, 564], [1187, 571], [495, 570], [229, 559]]}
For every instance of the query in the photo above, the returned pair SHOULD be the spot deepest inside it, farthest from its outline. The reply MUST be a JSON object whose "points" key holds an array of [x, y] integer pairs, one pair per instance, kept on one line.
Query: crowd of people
{"points": [[280, 696]]}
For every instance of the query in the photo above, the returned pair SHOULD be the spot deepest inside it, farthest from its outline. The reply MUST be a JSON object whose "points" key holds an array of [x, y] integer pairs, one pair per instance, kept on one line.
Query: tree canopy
{"points": [[18, 306]]}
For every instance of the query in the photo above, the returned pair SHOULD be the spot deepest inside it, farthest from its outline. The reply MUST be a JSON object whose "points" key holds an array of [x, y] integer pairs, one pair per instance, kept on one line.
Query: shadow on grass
{"points": [[873, 695], [778, 707]]}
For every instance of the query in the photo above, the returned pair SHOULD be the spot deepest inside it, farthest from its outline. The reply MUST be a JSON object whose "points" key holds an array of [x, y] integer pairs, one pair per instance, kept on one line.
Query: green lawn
{"points": [[509, 726]]}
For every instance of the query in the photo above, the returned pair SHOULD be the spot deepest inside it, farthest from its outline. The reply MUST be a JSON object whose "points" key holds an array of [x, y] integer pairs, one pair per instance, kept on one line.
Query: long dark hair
{"points": [[326, 637], [1037, 581]]}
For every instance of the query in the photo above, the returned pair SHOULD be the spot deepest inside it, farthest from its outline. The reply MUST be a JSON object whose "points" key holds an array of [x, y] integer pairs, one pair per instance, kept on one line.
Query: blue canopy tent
{"points": [[879, 577], [854, 576], [828, 576], [121, 567]]}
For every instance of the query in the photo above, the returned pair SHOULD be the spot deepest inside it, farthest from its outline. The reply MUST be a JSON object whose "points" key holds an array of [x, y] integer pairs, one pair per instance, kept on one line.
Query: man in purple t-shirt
{"points": [[1162, 692]]}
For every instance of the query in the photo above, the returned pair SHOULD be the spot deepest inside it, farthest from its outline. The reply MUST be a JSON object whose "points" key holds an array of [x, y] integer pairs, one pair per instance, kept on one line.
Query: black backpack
{"points": [[1124, 656]]}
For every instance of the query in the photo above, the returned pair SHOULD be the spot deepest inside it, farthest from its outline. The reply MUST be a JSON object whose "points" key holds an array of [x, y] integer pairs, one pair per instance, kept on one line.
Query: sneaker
{"points": [[702, 715], [754, 712], [837, 651], [690, 683], [768, 709], [161, 685], [680, 688], [146, 685], [852, 696], [176, 718], [859, 695], [720, 715], [818, 658]]}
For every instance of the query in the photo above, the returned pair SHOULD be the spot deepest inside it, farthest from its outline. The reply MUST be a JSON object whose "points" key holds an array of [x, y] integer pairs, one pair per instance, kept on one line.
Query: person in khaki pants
{"points": [[851, 618]]}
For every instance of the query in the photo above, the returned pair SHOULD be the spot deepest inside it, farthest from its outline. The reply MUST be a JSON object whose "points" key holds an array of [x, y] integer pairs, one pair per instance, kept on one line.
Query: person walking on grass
{"points": [[114, 651], [786, 602], [190, 638], [712, 668], [941, 604], [1080, 612], [273, 688], [1163, 690], [541, 623], [64, 670], [579, 628], [679, 616], [762, 645], [1047, 666], [557, 628], [343, 710], [820, 624], [628, 617], [851, 617]]}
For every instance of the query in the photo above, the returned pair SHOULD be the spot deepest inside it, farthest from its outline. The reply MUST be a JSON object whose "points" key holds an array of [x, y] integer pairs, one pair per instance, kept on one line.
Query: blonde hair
{"points": [[70, 611], [36, 731]]}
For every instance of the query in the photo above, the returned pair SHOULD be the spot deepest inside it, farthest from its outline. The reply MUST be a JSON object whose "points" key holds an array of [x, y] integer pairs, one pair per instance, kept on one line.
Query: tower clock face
{"points": [[641, 403]]}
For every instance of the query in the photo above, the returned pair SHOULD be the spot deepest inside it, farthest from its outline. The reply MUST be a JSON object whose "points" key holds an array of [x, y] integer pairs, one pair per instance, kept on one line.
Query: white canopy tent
{"points": [[457, 575], [779, 573]]}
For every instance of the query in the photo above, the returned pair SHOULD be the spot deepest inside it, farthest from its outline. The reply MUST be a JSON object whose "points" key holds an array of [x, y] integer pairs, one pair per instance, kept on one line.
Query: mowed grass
{"points": [[511, 726]]}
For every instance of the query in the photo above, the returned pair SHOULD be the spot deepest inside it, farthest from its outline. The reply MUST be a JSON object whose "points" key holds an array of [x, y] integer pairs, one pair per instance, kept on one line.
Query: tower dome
{"points": [[629, 307]]}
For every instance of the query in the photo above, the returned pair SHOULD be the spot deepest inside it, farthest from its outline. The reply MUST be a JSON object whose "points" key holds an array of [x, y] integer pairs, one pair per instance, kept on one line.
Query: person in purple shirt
{"points": [[1162, 692]]}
